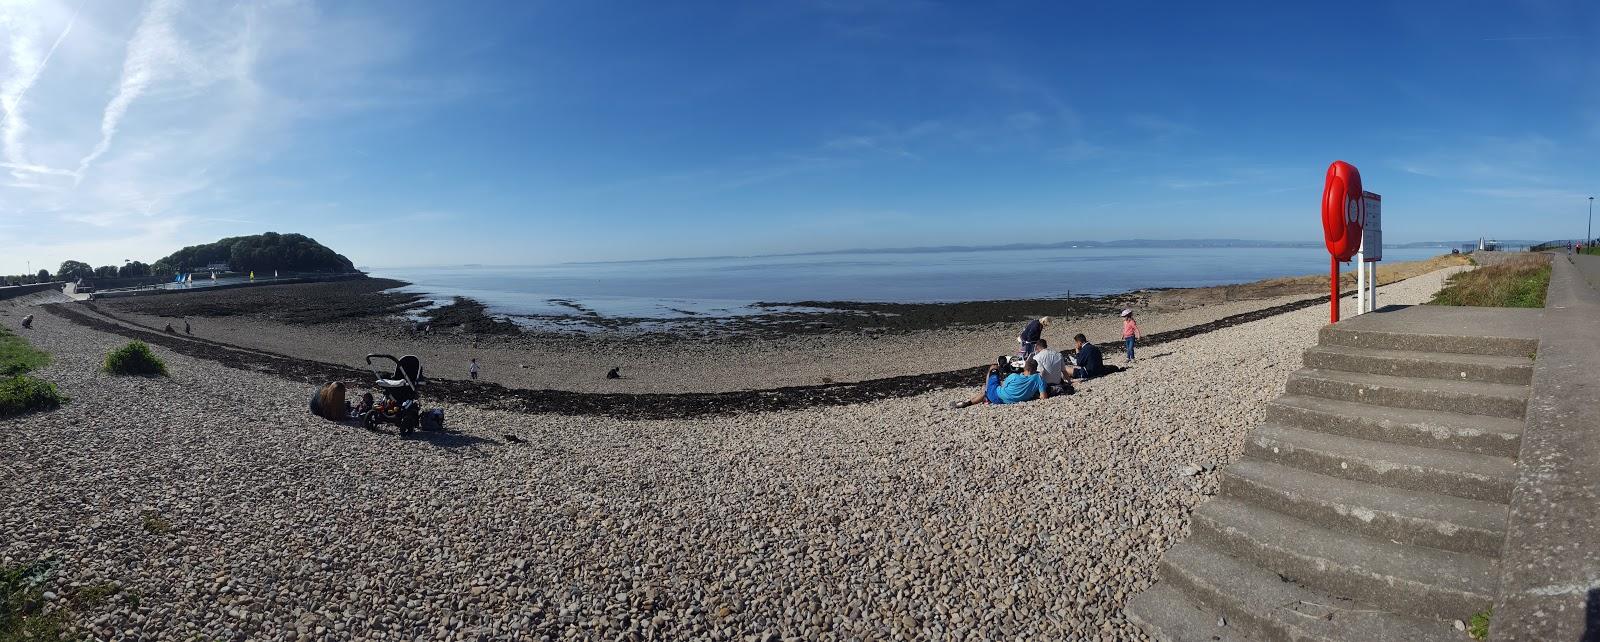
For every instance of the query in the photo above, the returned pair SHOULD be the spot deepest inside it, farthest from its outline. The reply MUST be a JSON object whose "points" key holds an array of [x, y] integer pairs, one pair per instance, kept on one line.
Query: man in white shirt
{"points": [[1051, 365]]}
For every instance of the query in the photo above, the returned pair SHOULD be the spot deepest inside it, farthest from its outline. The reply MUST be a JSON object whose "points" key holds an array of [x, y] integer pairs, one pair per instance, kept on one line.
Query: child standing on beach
{"points": [[473, 369], [1130, 331]]}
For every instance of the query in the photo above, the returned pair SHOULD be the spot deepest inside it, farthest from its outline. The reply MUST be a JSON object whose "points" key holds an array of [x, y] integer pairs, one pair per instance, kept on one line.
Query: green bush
{"points": [[135, 359], [21, 393]]}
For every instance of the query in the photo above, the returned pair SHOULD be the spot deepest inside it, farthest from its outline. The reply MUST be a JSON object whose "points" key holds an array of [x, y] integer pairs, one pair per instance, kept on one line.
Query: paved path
{"points": [[1589, 266], [1550, 586]]}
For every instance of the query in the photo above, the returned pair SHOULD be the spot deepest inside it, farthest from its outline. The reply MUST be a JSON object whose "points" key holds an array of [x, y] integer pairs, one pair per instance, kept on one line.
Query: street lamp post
{"points": [[1588, 235]]}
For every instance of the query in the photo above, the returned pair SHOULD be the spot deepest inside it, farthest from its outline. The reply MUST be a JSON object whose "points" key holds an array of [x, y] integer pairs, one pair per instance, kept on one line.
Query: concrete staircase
{"points": [[1372, 503]]}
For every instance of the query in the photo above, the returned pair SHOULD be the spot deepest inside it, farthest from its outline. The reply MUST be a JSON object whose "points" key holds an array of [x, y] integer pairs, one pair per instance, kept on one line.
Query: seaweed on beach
{"points": [[824, 316], [471, 316], [295, 304]]}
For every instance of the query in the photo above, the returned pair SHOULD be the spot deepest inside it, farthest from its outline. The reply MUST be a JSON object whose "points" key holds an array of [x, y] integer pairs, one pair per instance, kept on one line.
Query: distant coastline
{"points": [[951, 249]]}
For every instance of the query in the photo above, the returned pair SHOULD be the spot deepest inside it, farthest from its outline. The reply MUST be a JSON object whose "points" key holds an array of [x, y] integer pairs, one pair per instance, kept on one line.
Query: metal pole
{"points": [[1333, 282], [1372, 297], [1361, 281], [1589, 234]]}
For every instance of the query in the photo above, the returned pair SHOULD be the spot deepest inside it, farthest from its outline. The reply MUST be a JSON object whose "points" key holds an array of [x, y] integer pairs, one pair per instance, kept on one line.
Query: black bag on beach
{"points": [[433, 420]]}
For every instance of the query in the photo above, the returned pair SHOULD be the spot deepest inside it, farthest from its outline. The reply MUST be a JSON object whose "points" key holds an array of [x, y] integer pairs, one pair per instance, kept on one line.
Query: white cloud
{"points": [[150, 120], [26, 64]]}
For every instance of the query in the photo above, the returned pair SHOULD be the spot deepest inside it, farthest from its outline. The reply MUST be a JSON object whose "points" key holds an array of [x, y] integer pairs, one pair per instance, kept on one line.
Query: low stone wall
{"points": [[107, 283], [1550, 567], [212, 288], [14, 291]]}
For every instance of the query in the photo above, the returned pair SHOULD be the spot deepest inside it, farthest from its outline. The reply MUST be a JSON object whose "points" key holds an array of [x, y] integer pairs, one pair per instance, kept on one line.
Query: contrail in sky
{"points": [[152, 44], [11, 124]]}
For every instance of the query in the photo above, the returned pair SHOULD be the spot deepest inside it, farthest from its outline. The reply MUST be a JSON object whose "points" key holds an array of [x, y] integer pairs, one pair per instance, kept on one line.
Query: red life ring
{"points": [[1343, 214]]}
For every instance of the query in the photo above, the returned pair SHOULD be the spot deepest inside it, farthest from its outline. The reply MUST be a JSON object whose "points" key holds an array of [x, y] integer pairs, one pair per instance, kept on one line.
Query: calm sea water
{"points": [[727, 286]]}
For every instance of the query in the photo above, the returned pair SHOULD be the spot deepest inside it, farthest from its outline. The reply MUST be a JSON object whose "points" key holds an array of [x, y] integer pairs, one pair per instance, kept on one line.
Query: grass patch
{"points": [[1478, 627], [136, 358], [22, 604], [155, 524], [1515, 283], [23, 612], [95, 595], [17, 356], [20, 393], [1592, 250]]}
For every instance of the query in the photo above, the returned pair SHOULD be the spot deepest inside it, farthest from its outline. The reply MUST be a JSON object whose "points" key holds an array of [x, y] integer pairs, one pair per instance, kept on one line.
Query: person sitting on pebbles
{"points": [[1052, 366], [1017, 388], [1088, 362]]}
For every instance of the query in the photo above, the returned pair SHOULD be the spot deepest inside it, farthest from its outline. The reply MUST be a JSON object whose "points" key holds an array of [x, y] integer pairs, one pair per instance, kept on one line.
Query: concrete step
{"points": [[1259, 603], [1395, 514], [1433, 365], [1498, 436], [1351, 335], [1444, 472], [1410, 580], [1464, 397], [1163, 613]]}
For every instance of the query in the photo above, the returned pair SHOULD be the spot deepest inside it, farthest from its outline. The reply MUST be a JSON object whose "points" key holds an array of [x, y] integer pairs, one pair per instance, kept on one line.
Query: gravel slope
{"points": [[229, 512]]}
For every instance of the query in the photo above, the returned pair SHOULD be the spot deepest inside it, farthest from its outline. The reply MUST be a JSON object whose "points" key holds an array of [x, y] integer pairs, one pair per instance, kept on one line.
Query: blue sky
{"points": [[532, 132]]}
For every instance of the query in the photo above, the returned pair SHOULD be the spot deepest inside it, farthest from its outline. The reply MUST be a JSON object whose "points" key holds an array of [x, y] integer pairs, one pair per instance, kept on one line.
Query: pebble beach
{"points": [[210, 503]]}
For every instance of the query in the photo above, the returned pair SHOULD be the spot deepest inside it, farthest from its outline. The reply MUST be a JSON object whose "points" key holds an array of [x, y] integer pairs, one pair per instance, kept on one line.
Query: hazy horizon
{"points": [[517, 134], [1088, 243]]}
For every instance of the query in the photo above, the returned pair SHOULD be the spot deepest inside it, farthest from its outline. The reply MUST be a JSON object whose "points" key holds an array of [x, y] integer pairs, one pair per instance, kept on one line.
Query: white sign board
{"points": [[1372, 232]]}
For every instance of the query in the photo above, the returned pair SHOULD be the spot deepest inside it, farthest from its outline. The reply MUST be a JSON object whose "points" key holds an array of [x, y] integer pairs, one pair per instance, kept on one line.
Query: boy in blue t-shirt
{"points": [[1024, 386]]}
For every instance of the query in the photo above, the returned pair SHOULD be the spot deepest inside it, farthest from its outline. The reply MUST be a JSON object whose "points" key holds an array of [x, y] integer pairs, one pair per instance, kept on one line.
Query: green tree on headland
{"points": [[259, 253], [44, 275], [134, 268], [71, 270]]}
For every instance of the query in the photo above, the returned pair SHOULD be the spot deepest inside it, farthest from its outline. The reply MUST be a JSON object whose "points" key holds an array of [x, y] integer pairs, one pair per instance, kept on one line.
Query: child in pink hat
{"points": [[1130, 331]]}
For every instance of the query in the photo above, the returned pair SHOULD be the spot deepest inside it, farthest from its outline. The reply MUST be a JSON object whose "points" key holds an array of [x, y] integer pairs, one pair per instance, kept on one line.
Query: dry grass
{"points": [[1308, 284], [1517, 282]]}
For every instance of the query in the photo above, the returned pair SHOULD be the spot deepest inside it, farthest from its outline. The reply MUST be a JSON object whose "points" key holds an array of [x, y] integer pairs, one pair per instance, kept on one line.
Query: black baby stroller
{"points": [[401, 404]]}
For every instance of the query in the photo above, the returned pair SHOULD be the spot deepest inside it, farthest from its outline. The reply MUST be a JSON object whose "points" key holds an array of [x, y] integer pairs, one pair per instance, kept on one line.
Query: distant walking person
{"points": [[1030, 335], [186, 328], [1130, 331], [472, 370]]}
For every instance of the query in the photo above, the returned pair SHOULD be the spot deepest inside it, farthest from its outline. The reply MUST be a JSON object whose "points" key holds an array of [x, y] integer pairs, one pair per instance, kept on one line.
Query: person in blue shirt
{"points": [[1016, 388], [1088, 362]]}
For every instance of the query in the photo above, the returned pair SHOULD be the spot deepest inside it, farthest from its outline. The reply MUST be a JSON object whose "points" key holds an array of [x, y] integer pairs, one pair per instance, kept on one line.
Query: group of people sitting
{"points": [[1045, 372]]}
